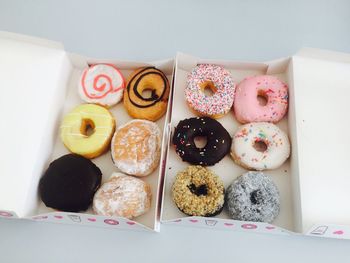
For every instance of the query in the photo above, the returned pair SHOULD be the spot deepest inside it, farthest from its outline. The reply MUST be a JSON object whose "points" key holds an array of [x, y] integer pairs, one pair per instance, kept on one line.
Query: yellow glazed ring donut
{"points": [[87, 130]]}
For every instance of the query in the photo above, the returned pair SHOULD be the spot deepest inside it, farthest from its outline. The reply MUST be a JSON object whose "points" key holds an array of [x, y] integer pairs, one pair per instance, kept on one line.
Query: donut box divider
{"points": [[297, 178], [53, 75]]}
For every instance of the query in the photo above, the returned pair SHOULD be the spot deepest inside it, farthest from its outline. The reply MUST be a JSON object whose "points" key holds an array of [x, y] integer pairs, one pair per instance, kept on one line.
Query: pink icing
{"points": [[247, 107], [221, 101]]}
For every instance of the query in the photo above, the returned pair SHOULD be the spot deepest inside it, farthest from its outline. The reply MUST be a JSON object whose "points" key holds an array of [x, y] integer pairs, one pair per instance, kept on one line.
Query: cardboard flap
{"points": [[32, 73], [322, 106]]}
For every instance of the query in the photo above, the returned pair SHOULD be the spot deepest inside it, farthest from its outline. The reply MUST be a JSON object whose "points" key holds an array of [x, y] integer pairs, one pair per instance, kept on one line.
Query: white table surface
{"points": [[148, 30]]}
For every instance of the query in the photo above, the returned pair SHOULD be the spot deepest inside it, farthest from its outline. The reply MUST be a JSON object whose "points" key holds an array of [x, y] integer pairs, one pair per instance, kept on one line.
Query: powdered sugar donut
{"points": [[261, 98], [260, 146], [122, 195], [136, 147], [219, 81], [102, 84]]}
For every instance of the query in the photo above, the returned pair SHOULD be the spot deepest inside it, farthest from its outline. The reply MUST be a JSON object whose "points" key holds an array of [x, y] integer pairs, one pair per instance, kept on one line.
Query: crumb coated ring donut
{"points": [[102, 84], [75, 126], [260, 146], [219, 81], [141, 107], [69, 183], [253, 197], [124, 196], [247, 107], [198, 192], [218, 141], [135, 147]]}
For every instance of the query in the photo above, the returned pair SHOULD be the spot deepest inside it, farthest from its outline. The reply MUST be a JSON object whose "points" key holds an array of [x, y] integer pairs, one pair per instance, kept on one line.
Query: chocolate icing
{"points": [[218, 141], [154, 97], [69, 184]]}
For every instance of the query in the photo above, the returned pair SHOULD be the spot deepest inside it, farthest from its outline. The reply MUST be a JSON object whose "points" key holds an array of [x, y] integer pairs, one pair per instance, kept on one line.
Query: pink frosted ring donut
{"points": [[219, 81], [261, 98]]}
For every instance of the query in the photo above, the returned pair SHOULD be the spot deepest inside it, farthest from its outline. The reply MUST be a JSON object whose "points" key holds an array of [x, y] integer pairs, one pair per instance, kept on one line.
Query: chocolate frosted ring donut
{"points": [[198, 192], [218, 141], [253, 197], [138, 105]]}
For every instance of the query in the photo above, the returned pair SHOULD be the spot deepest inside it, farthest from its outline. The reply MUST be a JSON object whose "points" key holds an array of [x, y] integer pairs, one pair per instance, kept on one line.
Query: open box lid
{"points": [[321, 81], [32, 73]]}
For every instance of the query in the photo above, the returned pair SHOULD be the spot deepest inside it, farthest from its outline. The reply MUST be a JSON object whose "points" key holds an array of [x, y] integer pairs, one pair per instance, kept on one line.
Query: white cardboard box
{"points": [[38, 81], [314, 183], [38, 85]]}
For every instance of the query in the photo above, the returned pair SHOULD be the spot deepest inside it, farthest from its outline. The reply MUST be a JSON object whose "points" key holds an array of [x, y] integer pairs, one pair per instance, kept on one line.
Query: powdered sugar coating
{"points": [[253, 197], [276, 141], [124, 196], [221, 101], [136, 147], [247, 107]]}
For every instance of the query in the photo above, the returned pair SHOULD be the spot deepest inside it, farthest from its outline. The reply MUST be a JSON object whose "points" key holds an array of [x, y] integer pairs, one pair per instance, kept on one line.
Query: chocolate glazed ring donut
{"points": [[218, 141], [138, 104]]}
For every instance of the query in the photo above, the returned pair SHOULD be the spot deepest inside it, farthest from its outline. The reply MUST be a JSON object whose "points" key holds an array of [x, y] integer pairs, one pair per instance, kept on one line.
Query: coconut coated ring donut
{"points": [[253, 197]]}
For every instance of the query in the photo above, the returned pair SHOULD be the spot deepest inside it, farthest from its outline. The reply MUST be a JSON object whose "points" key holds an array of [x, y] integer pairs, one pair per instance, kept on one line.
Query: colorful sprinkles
{"points": [[276, 141], [222, 99]]}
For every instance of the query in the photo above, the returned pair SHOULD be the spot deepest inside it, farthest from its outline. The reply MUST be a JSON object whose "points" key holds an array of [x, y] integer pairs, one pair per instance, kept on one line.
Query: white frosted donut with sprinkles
{"points": [[101, 84], [260, 146], [216, 79], [261, 98]]}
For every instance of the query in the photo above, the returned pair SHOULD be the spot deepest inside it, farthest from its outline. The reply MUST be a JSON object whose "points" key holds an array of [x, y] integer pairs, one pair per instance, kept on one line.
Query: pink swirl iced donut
{"points": [[101, 84], [216, 79], [261, 98]]}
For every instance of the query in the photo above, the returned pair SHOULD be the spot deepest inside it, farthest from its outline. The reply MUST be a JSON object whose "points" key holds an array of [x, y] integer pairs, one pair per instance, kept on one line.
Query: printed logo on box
{"points": [[210, 222], [75, 218], [321, 230]]}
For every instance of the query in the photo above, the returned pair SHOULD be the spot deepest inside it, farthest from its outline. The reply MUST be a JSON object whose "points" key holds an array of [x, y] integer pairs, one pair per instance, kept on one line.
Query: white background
{"points": [[148, 30]]}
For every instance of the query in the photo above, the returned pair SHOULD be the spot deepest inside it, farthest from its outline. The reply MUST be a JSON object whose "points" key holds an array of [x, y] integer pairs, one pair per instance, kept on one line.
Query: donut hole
{"points": [[87, 127], [208, 88], [198, 190], [200, 141], [149, 93], [260, 146], [255, 197], [262, 98]]}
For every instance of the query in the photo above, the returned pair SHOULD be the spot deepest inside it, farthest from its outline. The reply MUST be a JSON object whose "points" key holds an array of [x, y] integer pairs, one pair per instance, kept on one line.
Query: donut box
{"points": [[314, 182], [44, 79]]}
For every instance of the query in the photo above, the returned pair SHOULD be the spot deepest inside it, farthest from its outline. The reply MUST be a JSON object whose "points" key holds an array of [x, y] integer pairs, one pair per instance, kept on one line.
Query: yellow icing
{"points": [[74, 130]]}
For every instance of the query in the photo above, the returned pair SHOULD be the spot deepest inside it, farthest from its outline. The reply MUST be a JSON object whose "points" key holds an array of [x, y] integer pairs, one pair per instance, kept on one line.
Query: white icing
{"points": [[108, 92], [122, 195], [278, 146], [137, 154]]}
